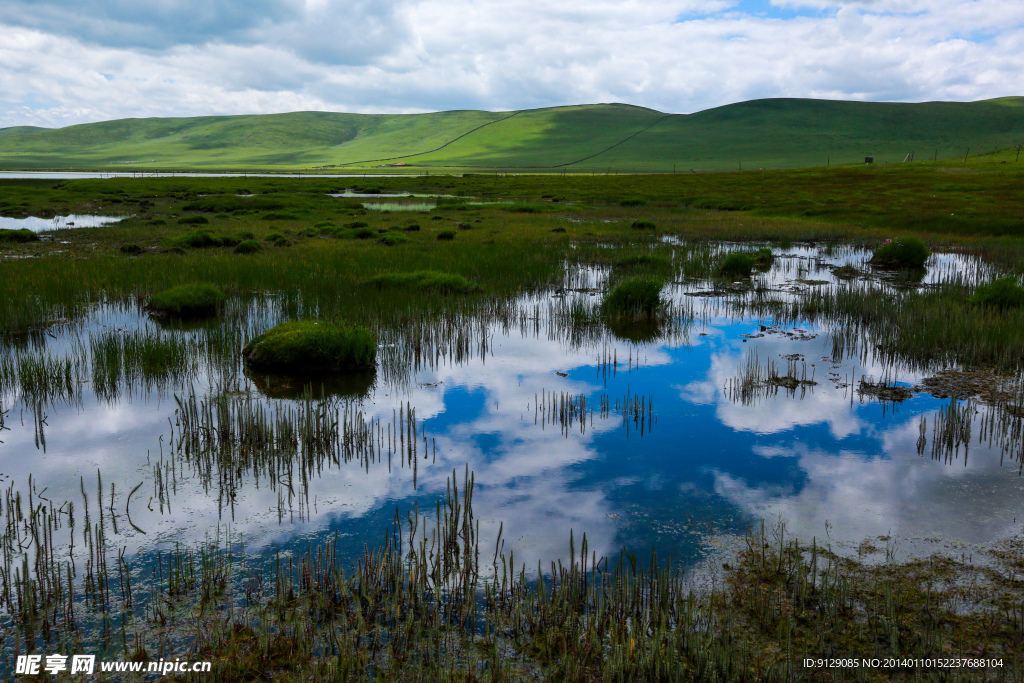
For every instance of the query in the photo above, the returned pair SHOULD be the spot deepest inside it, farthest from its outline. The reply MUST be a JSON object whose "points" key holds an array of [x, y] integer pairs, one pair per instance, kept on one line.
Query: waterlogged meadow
{"points": [[593, 444]]}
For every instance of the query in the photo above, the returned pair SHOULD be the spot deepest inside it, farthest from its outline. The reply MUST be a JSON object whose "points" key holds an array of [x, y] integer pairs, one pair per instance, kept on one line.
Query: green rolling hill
{"points": [[772, 133]]}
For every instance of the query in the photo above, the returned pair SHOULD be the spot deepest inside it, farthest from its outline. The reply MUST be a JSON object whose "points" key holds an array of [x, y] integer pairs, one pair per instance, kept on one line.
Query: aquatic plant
{"points": [[632, 296], [737, 264], [312, 345], [763, 258], [901, 252], [1004, 292], [186, 301]]}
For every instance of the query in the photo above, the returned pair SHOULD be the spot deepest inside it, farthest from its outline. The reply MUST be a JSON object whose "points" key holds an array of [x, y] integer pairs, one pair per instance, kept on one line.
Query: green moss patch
{"points": [[312, 345]]}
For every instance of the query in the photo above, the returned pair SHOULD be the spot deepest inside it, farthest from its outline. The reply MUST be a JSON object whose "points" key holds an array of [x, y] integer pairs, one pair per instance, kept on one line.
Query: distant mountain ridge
{"points": [[769, 133]]}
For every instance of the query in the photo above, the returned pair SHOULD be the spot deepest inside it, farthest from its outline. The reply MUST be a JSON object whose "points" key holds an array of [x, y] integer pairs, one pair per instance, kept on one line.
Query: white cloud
{"points": [[189, 58]]}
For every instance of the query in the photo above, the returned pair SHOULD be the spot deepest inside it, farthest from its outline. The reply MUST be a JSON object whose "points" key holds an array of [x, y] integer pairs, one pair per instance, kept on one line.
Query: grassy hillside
{"points": [[774, 133], [789, 133]]}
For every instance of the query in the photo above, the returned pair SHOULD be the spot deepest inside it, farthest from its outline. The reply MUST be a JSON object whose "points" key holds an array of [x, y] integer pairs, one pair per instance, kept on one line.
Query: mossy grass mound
{"points": [[392, 239], [446, 235], [644, 225], [901, 252], [424, 280], [1001, 293], [312, 345], [193, 220], [737, 264], [19, 235], [248, 247], [131, 249], [633, 202], [638, 295], [187, 301]]}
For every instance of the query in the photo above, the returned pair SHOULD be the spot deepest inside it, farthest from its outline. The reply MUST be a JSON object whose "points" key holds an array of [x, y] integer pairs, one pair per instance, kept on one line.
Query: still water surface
{"points": [[702, 459]]}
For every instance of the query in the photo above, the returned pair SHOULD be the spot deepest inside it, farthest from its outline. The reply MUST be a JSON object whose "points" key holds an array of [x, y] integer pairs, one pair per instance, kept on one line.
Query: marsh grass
{"points": [[126, 361], [20, 235], [1004, 292], [901, 252], [737, 264], [634, 296], [431, 602]]}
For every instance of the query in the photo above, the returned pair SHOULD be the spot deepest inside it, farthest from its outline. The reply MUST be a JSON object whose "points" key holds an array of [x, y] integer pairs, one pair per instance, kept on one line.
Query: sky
{"points": [[64, 62]]}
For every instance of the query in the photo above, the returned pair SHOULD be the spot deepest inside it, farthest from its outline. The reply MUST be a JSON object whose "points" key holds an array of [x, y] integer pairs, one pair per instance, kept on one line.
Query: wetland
{"points": [[589, 445]]}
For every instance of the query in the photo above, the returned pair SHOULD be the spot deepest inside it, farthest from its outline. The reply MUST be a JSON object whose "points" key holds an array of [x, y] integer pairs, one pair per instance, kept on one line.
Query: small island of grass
{"points": [[312, 345]]}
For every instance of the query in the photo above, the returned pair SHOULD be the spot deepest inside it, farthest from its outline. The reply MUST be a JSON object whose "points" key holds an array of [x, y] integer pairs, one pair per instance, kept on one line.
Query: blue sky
{"points": [[64, 62]]}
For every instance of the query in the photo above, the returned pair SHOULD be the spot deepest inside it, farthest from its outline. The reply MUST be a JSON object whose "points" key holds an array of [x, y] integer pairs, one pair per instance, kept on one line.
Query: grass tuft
{"points": [[248, 247], [902, 252], [392, 239], [1001, 293], [763, 258], [633, 296], [737, 264]]}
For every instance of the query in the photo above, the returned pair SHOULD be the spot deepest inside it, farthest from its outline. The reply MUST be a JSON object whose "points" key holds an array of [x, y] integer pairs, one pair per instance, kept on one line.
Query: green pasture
{"points": [[608, 138]]}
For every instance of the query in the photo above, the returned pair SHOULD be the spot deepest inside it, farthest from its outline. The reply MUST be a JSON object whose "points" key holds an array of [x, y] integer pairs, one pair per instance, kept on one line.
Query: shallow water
{"points": [[672, 448], [57, 222]]}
